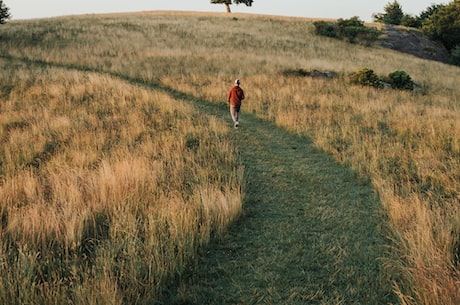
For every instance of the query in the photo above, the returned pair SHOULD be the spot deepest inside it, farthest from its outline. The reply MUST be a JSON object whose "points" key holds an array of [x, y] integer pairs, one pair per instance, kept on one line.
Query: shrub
{"points": [[352, 22], [325, 28], [350, 33], [367, 35], [455, 56], [361, 35], [366, 77], [353, 30], [401, 80], [349, 28]]}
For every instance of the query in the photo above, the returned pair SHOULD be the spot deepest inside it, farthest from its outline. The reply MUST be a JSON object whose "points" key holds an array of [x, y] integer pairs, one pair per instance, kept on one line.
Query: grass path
{"points": [[309, 234]]}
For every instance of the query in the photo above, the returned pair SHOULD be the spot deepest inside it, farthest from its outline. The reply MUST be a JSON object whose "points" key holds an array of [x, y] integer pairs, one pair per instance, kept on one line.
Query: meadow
{"points": [[106, 190]]}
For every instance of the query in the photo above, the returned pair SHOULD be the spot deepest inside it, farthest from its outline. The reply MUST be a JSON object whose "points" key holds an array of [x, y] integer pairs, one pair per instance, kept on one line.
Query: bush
{"points": [[352, 22], [353, 30], [401, 80], [397, 79], [455, 56], [362, 35], [324, 28], [367, 35], [349, 28], [366, 77]]}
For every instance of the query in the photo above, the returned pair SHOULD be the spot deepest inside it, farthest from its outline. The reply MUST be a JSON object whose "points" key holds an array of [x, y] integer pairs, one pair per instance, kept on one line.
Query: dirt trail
{"points": [[309, 234]]}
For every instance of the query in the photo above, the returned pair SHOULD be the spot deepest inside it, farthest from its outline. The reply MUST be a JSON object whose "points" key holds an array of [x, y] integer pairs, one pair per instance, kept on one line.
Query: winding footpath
{"points": [[309, 234]]}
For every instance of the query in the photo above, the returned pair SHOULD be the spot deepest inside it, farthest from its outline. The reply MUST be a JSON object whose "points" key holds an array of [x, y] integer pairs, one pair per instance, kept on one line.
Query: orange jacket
{"points": [[235, 95]]}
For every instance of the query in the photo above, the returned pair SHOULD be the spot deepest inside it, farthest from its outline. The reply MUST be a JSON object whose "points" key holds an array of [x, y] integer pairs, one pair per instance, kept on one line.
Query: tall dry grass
{"points": [[406, 143], [408, 146], [106, 193]]}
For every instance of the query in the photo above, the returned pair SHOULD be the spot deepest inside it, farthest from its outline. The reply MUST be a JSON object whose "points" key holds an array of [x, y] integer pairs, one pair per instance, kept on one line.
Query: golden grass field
{"points": [[106, 190]]}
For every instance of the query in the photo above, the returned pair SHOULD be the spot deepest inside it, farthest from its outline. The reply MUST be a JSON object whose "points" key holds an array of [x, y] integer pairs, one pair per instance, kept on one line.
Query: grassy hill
{"points": [[113, 175]]}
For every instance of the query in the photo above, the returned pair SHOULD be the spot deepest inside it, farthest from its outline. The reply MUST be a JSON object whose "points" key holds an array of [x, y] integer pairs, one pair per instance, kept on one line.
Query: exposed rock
{"points": [[412, 41], [312, 73]]}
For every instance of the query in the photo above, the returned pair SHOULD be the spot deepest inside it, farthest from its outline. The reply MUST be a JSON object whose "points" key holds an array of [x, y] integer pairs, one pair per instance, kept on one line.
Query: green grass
{"points": [[311, 232]]}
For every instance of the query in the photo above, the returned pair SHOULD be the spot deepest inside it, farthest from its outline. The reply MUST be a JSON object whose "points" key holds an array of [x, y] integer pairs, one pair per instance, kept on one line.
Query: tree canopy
{"points": [[444, 25], [393, 14], [229, 2], [4, 13]]}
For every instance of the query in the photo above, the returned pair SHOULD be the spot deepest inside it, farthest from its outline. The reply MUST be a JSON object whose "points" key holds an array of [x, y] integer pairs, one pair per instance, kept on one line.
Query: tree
{"points": [[420, 20], [444, 25], [393, 14], [229, 2], [428, 12], [410, 21], [455, 56], [4, 13]]}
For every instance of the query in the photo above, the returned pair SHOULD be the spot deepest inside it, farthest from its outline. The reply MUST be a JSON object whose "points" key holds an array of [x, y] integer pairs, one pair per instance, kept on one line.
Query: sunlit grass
{"points": [[406, 143], [105, 192]]}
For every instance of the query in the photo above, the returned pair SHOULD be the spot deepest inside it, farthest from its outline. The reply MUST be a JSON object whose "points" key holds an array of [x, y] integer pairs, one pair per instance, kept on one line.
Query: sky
{"points": [[28, 9]]}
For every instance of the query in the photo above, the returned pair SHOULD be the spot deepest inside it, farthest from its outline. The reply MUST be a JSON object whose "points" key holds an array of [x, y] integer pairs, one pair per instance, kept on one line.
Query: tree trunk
{"points": [[228, 8]]}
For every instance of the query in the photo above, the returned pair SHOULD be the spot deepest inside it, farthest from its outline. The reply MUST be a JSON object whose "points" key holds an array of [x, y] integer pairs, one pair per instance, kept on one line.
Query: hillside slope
{"points": [[406, 144]]}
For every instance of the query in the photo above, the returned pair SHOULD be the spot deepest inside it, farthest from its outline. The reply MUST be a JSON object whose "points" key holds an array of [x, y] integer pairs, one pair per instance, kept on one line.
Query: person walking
{"points": [[235, 96]]}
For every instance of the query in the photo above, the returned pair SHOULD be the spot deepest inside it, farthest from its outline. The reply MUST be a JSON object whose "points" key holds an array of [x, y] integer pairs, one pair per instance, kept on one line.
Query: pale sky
{"points": [[26, 9]]}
